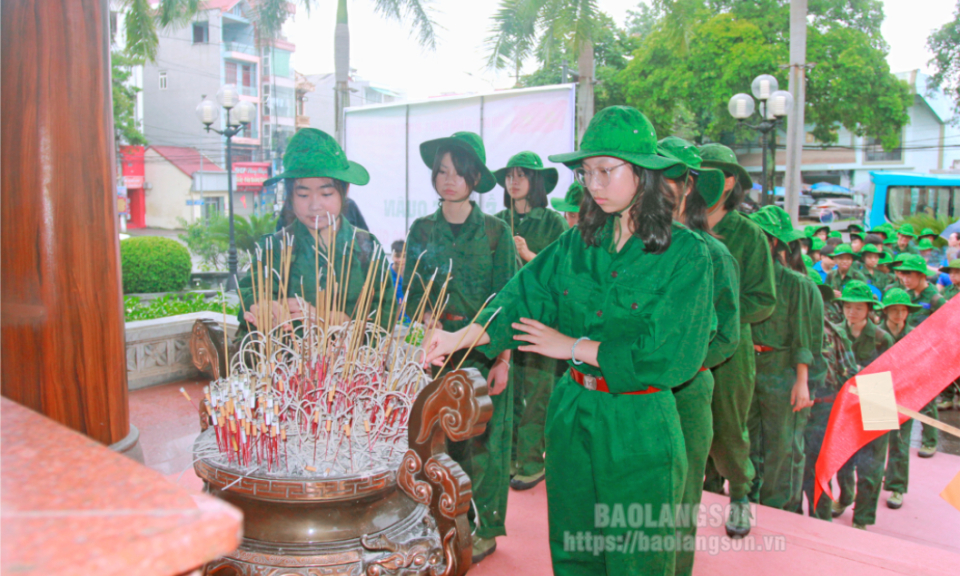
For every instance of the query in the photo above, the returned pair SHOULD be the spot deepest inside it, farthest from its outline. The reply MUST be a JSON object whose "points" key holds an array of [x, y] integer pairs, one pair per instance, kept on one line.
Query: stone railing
{"points": [[158, 351]]}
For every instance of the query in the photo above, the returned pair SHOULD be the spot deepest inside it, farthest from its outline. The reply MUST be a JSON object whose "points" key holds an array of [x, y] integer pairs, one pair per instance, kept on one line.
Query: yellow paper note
{"points": [[878, 404], [952, 492]]}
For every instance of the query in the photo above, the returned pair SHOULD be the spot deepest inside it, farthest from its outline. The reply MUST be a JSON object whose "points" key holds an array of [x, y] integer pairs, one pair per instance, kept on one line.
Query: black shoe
{"points": [[521, 482], [483, 547]]}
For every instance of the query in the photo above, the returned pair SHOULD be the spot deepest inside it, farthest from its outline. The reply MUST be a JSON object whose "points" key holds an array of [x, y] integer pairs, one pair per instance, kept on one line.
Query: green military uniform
{"points": [[734, 379], [694, 399], [881, 280], [533, 375], [484, 259], [929, 301], [835, 279], [897, 475], [312, 153], [868, 461], [906, 230], [794, 335], [950, 291], [303, 267], [827, 375], [653, 315]]}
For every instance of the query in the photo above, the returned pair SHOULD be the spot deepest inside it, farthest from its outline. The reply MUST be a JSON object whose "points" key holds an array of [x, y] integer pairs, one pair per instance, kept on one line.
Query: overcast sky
{"points": [[383, 52]]}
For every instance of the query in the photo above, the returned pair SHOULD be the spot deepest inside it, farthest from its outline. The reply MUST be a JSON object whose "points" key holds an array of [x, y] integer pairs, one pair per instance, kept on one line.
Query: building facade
{"points": [[319, 105], [930, 144]]}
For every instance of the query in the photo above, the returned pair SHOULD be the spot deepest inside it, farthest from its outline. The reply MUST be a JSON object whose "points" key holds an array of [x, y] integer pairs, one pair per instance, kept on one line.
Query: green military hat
{"points": [[856, 228], [925, 244], [835, 234], [826, 292], [870, 249], [811, 230], [912, 263], [469, 142], [621, 132], [886, 229], [897, 297], [842, 249], [570, 202], [776, 222], [313, 153], [891, 239], [808, 261], [885, 260], [530, 161], [951, 265], [857, 291], [723, 158], [816, 244], [907, 230], [927, 232], [710, 182], [857, 234]]}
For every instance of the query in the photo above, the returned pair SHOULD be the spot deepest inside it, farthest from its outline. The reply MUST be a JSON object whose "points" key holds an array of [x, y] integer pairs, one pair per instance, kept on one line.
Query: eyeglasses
{"points": [[599, 177]]}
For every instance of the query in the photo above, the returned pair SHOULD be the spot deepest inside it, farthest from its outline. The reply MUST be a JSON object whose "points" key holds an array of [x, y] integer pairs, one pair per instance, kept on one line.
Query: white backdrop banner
{"points": [[386, 141]]}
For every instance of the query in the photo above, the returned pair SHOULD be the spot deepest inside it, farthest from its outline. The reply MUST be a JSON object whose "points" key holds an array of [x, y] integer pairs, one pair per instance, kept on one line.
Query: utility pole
{"points": [[792, 180]]}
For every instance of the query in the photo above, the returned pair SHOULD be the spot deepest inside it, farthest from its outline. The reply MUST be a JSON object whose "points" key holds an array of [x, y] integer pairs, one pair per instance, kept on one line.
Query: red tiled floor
{"points": [[920, 538]]}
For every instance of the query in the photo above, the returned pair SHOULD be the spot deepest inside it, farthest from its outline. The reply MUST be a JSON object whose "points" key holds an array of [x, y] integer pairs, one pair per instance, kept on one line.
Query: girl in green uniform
{"points": [[734, 379], [869, 342], [911, 270], [483, 259], [317, 179], [526, 184], [626, 299], [786, 344], [693, 190], [896, 308], [870, 257], [569, 205], [844, 257]]}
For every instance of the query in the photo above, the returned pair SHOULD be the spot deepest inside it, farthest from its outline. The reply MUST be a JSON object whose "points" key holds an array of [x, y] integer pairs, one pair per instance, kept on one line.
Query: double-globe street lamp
{"points": [[775, 104], [243, 113]]}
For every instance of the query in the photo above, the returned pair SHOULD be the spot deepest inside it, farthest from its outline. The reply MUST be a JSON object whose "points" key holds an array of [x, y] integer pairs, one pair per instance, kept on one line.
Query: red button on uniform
{"points": [[614, 274], [599, 312]]}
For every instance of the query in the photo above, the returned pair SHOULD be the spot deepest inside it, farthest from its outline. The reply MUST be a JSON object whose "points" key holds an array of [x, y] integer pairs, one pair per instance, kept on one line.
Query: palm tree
{"points": [[520, 25], [142, 23]]}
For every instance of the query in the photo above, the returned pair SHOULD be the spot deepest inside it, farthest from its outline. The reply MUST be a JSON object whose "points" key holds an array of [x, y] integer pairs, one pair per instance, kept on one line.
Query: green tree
{"points": [[683, 81], [124, 100], [945, 45], [556, 28]]}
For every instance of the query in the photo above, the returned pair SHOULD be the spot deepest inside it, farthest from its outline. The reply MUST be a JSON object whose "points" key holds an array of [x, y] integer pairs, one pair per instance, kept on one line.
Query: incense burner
{"points": [[411, 520]]}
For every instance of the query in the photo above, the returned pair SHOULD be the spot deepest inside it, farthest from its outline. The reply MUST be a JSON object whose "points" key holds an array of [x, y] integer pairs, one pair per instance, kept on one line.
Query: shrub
{"points": [[168, 305], [211, 251], [154, 264], [921, 221]]}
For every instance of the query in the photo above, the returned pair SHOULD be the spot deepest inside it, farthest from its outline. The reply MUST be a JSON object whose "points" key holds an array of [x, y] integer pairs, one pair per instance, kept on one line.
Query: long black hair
{"points": [[735, 198], [695, 208], [286, 213], [651, 213], [536, 196]]}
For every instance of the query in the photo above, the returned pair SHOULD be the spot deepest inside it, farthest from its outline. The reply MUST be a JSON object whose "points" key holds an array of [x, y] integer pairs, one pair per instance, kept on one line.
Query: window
{"points": [[265, 62], [283, 101], [201, 32], [243, 75], [874, 152], [939, 202], [163, 79]]}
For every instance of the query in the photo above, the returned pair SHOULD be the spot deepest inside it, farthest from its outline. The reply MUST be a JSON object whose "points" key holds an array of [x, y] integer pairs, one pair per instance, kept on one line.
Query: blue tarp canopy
{"points": [[828, 187]]}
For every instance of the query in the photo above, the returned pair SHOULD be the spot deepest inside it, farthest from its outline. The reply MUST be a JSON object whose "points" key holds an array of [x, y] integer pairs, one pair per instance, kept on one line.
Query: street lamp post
{"points": [[775, 104], [229, 98]]}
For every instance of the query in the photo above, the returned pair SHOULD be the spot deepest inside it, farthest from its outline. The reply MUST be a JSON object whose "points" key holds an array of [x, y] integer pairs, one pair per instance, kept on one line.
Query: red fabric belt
{"points": [[761, 348], [448, 317], [599, 383]]}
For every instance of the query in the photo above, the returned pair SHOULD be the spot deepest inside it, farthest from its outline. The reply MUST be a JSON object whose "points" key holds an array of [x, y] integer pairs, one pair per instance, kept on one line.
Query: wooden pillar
{"points": [[62, 306]]}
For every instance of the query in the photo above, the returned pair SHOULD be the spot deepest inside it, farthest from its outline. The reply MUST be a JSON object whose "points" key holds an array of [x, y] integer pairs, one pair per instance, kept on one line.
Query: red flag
{"points": [[922, 365]]}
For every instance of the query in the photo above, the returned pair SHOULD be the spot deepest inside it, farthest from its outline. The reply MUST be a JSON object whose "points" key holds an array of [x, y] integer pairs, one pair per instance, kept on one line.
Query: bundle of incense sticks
{"points": [[325, 383]]}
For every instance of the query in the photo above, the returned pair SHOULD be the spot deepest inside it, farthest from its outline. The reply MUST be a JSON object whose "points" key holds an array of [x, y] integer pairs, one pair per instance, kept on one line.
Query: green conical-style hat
{"points": [[468, 142], [570, 202], [897, 297], [907, 230], [775, 221], [811, 230], [816, 244], [885, 259], [723, 158], [835, 234], [530, 161], [808, 262], [912, 263], [856, 228], [870, 249], [621, 132], [313, 153], [927, 232], [951, 265], [842, 249], [857, 291], [710, 182]]}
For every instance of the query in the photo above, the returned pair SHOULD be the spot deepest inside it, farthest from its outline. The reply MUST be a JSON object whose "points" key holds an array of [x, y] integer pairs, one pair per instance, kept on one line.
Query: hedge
{"points": [[154, 264]]}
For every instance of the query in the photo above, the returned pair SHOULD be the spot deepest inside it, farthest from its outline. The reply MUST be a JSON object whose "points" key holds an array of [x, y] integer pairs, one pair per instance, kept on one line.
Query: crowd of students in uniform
{"points": [[646, 340]]}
